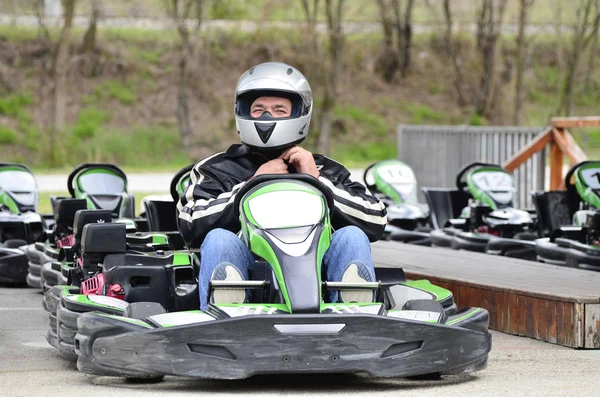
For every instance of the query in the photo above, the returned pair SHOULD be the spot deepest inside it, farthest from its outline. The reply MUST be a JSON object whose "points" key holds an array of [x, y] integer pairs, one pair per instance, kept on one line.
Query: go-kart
{"points": [[20, 224], [160, 217], [478, 215], [394, 183], [572, 219], [288, 325]]}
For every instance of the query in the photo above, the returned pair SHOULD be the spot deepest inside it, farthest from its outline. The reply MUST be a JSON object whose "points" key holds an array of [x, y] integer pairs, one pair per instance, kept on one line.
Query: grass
{"points": [[124, 92], [44, 206], [13, 105], [8, 136]]}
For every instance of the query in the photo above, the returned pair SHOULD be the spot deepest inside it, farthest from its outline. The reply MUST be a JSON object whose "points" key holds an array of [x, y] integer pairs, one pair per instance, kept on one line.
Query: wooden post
{"points": [[556, 163]]}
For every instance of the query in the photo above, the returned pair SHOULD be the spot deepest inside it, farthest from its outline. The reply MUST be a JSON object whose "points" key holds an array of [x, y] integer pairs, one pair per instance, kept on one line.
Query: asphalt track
{"points": [[517, 367]]}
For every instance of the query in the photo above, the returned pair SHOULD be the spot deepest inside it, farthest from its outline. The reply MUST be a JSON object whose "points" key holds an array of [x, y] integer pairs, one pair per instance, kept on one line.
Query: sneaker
{"points": [[228, 272], [357, 272]]}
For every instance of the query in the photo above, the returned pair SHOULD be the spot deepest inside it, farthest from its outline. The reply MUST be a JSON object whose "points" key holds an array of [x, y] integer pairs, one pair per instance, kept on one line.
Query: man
{"points": [[273, 107]]}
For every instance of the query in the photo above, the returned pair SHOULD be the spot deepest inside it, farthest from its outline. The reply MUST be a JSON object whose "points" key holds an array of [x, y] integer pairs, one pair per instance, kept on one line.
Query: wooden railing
{"points": [[561, 144]]}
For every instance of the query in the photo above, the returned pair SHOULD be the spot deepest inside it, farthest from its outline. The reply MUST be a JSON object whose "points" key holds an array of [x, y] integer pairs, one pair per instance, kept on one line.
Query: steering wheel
{"points": [[371, 186], [569, 176], [85, 166], [461, 182], [257, 180], [182, 173]]}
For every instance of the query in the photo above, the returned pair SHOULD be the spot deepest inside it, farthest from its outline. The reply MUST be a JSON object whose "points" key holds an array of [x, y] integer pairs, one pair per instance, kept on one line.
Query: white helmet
{"points": [[273, 79]]}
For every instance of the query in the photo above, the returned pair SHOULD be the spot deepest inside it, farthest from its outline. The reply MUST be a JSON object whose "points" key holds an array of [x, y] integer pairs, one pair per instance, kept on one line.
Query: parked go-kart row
{"points": [[135, 314], [103, 189]]}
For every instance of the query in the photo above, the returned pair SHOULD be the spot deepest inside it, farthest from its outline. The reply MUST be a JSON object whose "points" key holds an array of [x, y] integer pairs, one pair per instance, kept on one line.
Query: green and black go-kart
{"points": [[159, 220], [287, 326], [395, 184], [571, 219], [478, 215], [20, 224]]}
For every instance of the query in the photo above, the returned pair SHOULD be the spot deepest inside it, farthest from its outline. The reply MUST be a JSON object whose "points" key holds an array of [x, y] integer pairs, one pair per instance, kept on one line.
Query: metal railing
{"points": [[436, 153]]}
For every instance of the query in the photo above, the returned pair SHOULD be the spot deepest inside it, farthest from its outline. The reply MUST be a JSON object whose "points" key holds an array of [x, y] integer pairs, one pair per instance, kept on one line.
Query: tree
{"points": [[399, 23], [180, 11], [452, 53], [522, 49], [587, 25], [404, 34], [333, 9], [89, 45], [490, 24], [311, 10], [59, 77]]}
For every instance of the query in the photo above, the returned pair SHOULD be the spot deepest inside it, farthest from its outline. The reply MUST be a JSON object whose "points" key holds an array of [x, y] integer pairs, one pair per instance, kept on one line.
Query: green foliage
{"points": [[138, 146], [8, 136], [227, 9], [476, 119], [148, 56], [359, 154], [12, 104], [371, 122], [421, 113], [88, 122], [126, 93]]}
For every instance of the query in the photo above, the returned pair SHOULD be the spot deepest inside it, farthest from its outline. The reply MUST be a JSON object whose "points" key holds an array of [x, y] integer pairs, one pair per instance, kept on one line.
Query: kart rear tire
{"points": [[142, 310], [426, 305]]}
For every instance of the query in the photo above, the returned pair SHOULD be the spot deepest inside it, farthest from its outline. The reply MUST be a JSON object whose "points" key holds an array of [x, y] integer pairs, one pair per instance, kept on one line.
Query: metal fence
{"points": [[436, 153]]}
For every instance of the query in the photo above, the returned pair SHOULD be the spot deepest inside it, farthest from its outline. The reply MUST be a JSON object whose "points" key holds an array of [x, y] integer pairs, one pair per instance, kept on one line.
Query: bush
{"points": [[371, 123], [8, 136], [115, 89], [88, 121], [13, 104]]}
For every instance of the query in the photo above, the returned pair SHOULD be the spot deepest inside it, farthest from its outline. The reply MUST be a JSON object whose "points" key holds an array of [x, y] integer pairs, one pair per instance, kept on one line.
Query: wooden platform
{"points": [[551, 303]]}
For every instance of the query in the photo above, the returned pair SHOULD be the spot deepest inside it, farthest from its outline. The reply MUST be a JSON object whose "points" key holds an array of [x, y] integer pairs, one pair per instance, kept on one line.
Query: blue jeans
{"points": [[348, 245]]}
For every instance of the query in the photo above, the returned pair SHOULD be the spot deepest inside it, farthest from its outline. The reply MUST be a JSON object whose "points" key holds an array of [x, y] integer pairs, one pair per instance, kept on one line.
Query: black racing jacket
{"points": [[208, 201]]}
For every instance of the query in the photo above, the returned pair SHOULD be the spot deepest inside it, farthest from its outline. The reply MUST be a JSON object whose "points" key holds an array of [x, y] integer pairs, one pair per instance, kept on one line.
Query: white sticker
{"points": [[181, 318]]}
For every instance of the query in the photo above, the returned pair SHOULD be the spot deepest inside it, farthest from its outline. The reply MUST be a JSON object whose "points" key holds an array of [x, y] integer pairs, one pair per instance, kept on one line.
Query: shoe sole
{"points": [[230, 295], [354, 296]]}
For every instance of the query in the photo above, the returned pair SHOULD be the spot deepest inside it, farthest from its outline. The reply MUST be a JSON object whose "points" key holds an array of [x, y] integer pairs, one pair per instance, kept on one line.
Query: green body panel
{"points": [[8, 201], [159, 239], [84, 300], [126, 319], [262, 248], [479, 194], [425, 285], [181, 258], [469, 314], [585, 192], [383, 186]]}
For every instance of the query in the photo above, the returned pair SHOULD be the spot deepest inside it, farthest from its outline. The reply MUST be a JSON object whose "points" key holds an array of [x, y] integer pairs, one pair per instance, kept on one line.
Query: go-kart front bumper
{"points": [[240, 347]]}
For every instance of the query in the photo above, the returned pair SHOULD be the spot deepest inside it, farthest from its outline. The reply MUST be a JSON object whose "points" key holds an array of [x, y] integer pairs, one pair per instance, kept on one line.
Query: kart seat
{"points": [[552, 210], [444, 204], [161, 215]]}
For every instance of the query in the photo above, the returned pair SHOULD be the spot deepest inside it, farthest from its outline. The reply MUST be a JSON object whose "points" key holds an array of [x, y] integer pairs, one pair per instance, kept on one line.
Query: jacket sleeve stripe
{"points": [[196, 178], [203, 208], [376, 219], [355, 201]]}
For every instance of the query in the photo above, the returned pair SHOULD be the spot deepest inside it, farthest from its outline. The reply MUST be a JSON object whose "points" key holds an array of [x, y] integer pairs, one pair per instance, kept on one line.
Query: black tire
{"points": [[426, 305], [142, 310]]}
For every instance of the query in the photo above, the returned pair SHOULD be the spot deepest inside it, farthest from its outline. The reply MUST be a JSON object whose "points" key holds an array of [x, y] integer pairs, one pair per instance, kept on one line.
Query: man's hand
{"points": [[301, 159], [275, 166]]}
